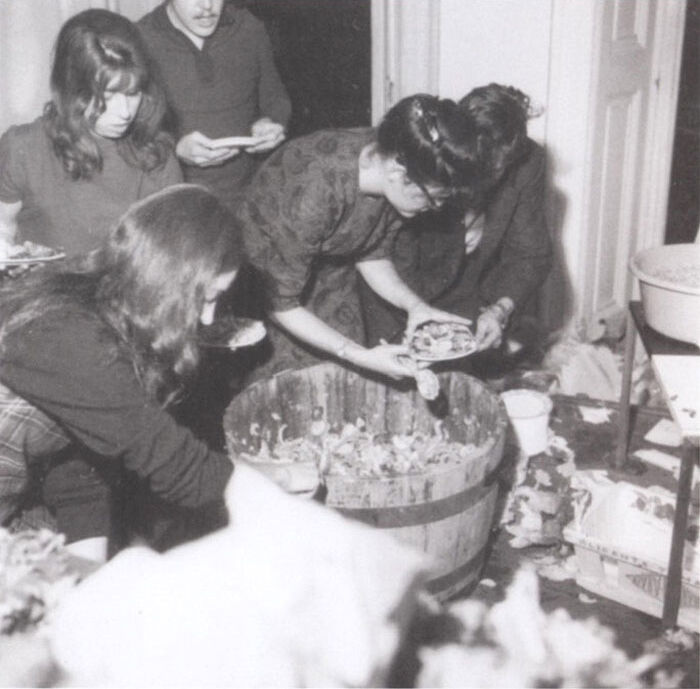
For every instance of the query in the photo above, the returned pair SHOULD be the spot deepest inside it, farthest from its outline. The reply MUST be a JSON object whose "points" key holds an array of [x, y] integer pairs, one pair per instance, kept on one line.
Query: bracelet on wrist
{"points": [[500, 313], [507, 305], [342, 351]]}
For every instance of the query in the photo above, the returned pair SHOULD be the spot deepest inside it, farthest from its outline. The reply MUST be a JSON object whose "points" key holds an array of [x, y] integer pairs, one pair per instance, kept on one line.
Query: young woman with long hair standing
{"points": [[99, 145]]}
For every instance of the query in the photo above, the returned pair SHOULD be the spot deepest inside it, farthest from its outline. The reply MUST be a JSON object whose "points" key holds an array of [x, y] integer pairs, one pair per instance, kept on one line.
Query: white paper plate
{"points": [[29, 260], [235, 142], [449, 356], [469, 348]]}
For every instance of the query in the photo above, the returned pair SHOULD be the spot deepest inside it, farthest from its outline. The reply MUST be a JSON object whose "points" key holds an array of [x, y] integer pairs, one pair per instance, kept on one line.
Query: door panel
{"points": [[635, 88], [617, 145]]}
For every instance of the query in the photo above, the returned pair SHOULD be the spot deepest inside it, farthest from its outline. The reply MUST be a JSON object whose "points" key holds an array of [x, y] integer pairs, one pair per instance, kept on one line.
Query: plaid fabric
{"points": [[26, 436]]}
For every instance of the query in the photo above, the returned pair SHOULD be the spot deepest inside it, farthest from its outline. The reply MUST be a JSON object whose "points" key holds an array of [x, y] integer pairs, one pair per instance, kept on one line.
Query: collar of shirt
{"points": [[203, 59]]}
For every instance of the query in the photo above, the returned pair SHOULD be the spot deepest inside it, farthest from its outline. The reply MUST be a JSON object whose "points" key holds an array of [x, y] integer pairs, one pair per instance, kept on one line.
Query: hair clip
{"points": [[534, 109], [429, 120]]}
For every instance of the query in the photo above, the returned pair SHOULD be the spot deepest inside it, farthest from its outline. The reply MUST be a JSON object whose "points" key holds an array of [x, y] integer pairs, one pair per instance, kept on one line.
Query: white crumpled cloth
{"points": [[290, 594]]}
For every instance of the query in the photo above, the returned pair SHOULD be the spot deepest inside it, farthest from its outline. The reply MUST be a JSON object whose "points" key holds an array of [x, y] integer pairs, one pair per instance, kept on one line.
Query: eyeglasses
{"points": [[436, 199]]}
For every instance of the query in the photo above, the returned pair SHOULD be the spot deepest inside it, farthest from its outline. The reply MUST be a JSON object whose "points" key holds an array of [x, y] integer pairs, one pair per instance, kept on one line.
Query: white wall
{"points": [[516, 42], [27, 34], [451, 46], [506, 41], [554, 50], [28, 30]]}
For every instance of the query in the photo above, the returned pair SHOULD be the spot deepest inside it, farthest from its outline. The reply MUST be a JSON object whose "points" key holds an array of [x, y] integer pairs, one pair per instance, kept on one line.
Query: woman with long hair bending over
{"points": [[93, 353], [98, 147], [325, 207]]}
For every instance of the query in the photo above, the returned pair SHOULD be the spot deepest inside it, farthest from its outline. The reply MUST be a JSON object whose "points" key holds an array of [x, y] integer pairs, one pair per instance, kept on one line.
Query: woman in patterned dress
{"points": [[326, 207]]}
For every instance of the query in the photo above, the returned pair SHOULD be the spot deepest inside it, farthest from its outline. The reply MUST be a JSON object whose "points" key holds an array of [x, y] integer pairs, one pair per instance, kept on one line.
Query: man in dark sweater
{"points": [[215, 60]]}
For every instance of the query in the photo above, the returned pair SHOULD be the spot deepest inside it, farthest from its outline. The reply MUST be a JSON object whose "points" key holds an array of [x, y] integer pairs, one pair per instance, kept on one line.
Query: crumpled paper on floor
{"points": [[537, 506], [584, 363], [583, 368], [290, 594]]}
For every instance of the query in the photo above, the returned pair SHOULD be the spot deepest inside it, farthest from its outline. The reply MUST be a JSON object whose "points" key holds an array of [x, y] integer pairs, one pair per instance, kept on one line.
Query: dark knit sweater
{"points": [[220, 90], [65, 365]]}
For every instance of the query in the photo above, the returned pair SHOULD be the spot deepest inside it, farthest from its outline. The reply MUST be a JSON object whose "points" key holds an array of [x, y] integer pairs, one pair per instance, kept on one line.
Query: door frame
{"points": [[405, 59], [572, 139], [666, 68], [400, 69]]}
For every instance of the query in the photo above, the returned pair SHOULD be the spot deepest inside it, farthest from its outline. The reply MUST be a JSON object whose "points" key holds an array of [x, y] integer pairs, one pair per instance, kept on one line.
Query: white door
{"points": [[611, 85], [637, 47]]}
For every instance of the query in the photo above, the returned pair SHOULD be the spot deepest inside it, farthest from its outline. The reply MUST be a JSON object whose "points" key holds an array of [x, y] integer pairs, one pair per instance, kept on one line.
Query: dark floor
{"points": [[593, 446]]}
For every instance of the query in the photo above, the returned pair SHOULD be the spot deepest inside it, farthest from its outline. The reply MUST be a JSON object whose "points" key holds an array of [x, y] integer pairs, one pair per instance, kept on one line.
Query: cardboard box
{"points": [[629, 580]]}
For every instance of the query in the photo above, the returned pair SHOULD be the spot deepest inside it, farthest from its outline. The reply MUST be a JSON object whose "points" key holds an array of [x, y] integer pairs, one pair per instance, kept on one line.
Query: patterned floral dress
{"points": [[306, 223]]}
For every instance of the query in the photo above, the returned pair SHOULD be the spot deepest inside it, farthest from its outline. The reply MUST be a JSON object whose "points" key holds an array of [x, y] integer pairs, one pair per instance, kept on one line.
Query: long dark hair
{"points": [[94, 49], [147, 283], [432, 139]]}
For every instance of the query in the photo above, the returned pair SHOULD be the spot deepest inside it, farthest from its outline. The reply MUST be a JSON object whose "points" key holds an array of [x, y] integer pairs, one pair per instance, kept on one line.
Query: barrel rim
{"points": [[496, 435]]}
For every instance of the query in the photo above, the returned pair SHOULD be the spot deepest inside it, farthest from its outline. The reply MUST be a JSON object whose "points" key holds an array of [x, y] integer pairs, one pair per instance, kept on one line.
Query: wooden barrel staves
{"points": [[448, 511]]}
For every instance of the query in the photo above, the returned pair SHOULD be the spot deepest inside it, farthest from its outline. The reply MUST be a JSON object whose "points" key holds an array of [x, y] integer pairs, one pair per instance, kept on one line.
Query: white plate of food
{"points": [[438, 341], [29, 253], [235, 142]]}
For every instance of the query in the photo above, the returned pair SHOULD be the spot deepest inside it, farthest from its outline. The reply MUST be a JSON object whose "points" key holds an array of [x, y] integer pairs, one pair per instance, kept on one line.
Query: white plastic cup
{"points": [[529, 412]]}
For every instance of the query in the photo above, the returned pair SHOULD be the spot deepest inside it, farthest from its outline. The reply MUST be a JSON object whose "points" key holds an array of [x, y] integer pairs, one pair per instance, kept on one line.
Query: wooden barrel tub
{"points": [[447, 511]]}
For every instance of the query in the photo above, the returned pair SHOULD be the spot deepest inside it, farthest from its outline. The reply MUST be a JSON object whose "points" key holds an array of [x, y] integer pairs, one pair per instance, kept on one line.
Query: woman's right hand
{"points": [[7, 249], [388, 359]]}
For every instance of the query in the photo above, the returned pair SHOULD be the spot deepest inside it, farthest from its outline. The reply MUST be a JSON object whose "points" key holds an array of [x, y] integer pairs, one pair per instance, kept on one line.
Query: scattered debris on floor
{"points": [[557, 563], [36, 570], [515, 643], [595, 415], [537, 507], [587, 359]]}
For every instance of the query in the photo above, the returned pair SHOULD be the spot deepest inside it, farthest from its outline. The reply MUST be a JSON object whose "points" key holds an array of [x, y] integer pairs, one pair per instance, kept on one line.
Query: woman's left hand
{"points": [[422, 313], [489, 330], [270, 134]]}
